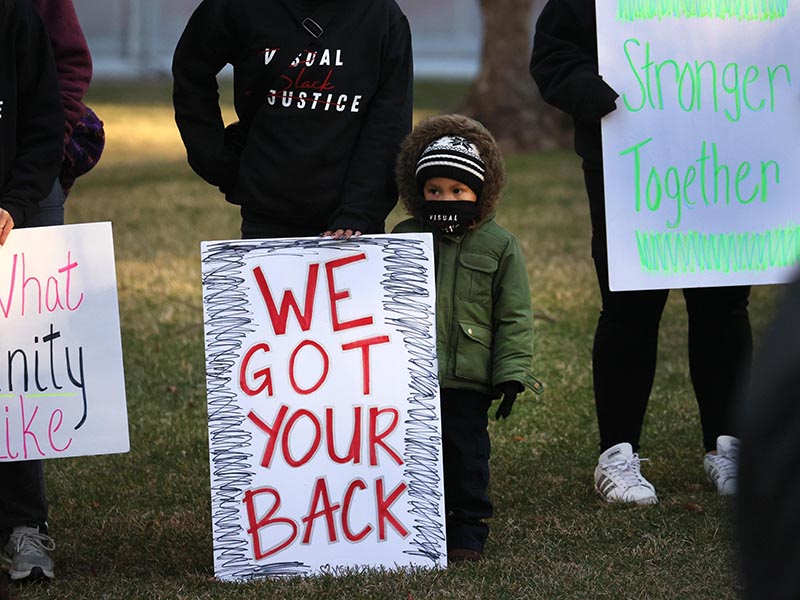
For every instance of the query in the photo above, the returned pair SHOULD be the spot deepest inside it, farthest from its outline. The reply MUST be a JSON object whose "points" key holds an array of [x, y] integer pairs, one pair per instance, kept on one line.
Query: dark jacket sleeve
{"points": [[512, 317], [40, 121], [370, 192], [71, 53], [564, 60], [768, 422], [204, 48]]}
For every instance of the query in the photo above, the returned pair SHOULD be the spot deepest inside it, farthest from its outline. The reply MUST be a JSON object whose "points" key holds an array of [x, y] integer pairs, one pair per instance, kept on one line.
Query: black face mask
{"points": [[451, 216]]}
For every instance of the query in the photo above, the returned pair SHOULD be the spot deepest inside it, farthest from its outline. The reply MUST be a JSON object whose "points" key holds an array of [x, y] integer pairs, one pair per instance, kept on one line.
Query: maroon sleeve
{"points": [[71, 53]]}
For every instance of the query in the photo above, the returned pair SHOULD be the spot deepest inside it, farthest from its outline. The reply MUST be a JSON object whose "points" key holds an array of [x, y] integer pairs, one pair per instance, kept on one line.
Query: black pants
{"points": [[22, 496], [22, 491], [466, 449], [625, 345]]}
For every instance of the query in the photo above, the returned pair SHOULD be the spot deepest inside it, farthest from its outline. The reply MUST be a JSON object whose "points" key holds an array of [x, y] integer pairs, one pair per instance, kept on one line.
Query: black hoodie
{"points": [[31, 116], [564, 65], [321, 148]]}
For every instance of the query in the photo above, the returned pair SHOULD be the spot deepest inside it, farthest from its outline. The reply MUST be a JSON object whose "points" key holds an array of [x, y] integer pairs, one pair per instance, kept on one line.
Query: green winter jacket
{"points": [[484, 321]]}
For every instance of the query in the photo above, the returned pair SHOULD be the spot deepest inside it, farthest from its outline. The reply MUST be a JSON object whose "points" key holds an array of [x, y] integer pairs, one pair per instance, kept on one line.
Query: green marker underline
{"points": [[43, 395], [741, 10]]}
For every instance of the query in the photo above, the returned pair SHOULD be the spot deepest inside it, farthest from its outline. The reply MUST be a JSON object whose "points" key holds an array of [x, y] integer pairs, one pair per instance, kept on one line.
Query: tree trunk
{"points": [[504, 96]]}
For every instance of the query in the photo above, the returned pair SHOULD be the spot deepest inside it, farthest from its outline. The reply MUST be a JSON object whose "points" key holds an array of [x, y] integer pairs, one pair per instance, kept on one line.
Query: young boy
{"points": [[450, 176]]}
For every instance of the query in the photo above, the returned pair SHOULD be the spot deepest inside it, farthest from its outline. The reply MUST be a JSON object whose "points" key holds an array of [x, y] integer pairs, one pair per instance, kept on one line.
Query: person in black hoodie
{"points": [[314, 148], [31, 145], [564, 65], [766, 516]]}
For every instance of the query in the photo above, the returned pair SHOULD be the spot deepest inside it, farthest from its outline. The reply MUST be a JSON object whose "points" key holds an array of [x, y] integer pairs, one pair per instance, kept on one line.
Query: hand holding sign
{"points": [[697, 157], [6, 225]]}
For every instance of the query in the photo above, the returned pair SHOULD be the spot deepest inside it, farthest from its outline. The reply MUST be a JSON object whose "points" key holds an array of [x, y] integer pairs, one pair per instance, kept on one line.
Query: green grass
{"points": [[138, 525]]}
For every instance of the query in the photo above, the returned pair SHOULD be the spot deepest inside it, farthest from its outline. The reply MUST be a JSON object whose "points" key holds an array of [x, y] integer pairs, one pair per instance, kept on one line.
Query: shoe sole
{"points": [[34, 574], [719, 491], [643, 502]]}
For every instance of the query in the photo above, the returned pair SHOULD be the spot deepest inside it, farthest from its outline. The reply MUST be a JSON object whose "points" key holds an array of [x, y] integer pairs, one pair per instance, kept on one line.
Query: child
{"points": [[450, 176]]}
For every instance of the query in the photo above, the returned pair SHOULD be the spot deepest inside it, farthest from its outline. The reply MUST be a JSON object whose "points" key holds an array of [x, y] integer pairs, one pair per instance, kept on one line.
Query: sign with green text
{"points": [[701, 156]]}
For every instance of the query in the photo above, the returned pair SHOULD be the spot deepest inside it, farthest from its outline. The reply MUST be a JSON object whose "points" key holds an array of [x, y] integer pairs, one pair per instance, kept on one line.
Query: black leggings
{"points": [[626, 339]]}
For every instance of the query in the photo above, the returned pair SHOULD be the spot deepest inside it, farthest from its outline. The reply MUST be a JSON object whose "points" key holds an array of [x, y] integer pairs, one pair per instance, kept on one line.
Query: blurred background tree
{"points": [[504, 97]]}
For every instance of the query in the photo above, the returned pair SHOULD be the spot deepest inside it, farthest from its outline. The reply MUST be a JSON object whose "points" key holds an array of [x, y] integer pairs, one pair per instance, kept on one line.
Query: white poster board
{"points": [[701, 156], [323, 405], [62, 389]]}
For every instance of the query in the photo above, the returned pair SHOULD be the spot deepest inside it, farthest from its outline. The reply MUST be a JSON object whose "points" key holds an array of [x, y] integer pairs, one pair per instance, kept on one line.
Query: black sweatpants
{"points": [[22, 496], [466, 449], [22, 492], [625, 345]]}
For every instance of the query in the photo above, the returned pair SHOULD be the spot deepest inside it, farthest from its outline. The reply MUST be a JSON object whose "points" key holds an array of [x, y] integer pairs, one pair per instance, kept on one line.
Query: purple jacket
{"points": [[71, 52]]}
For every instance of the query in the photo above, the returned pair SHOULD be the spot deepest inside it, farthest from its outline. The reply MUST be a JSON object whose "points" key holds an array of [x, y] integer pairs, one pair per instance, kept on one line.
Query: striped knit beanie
{"points": [[453, 157]]}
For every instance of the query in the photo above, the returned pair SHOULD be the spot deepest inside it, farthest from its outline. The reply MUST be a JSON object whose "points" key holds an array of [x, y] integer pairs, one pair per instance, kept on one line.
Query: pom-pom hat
{"points": [[453, 157]]}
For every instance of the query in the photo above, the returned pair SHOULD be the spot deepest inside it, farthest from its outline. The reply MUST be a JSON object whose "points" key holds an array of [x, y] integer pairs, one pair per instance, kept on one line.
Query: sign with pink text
{"points": [[62, 389], [323, 405], [700, 156]]}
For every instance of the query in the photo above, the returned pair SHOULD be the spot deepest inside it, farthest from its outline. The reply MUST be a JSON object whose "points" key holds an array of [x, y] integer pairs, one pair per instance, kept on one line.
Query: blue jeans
{"points": [[51, 209]]}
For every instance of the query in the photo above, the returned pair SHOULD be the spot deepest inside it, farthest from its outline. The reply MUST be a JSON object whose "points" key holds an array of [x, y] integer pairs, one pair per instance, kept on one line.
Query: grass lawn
{"points": [[138, 525]]}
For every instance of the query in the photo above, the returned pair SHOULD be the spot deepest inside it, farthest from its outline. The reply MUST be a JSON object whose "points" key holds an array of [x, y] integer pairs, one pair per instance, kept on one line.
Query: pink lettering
{"points": [[68, 270], [26, 429], [26, 432], [51, 430], [6, 307], [40, 292]]}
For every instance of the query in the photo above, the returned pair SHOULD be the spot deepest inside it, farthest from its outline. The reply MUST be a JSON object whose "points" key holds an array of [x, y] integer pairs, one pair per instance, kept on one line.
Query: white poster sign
{"points": [[323, 405], [62, 389], [701, 156]]}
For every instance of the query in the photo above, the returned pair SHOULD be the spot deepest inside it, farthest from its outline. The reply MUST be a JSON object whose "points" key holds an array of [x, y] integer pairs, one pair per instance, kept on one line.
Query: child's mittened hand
{"points": [[510, 391]]}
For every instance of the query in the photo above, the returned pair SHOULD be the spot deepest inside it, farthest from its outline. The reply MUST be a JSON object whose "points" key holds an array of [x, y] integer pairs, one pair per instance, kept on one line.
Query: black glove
{"points": [[510, 390], [235, 137]]}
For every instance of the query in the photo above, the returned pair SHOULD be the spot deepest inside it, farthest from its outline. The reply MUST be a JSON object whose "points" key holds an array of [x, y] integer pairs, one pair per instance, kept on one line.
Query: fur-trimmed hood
{"points": [[432, 128]]}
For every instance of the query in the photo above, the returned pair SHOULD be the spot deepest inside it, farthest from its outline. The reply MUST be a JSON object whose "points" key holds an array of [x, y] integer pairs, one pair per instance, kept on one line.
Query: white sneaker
{"points": [[722, 468], [27, 554], [617, 477]]}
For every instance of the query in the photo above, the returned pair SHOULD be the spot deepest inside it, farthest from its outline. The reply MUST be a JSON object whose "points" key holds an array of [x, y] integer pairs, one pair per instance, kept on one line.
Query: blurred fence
{"points": [[135, 38]]}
